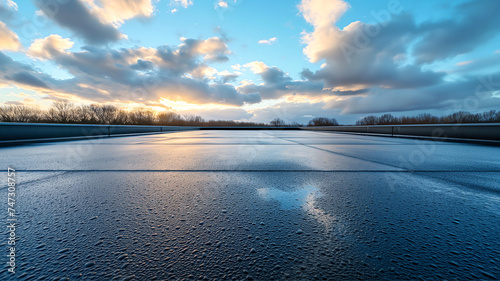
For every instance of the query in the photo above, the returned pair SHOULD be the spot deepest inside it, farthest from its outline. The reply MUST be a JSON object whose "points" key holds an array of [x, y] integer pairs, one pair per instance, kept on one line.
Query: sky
{"points": [[254, 60]]}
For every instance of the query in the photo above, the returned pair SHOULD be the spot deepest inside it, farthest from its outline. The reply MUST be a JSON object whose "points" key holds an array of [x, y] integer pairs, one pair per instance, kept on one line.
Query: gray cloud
{"points": [[353, 65], [229, 78], [199, 91], [5, 61], [142, 65], [27, 78], [274, 75], [471, 93], [140, 75], [166, 78], [13, 71], [74, 15], [277, 84], [472, 24], [371, 63], [13, 103], [174, 62], [491, 62]]}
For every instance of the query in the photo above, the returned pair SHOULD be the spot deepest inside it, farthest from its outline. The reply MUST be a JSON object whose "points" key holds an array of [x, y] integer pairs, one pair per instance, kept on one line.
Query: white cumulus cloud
{"points": [[268, 41], [182, 3], [50, 46]]}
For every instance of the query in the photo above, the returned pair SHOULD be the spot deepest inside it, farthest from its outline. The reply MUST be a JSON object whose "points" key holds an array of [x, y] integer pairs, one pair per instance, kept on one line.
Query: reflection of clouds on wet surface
{"points": [[289, 199], [304, 198]]}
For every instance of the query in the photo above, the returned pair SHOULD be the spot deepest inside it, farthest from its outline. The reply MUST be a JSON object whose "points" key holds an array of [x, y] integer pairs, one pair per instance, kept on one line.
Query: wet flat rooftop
{"points": [[255, 205]]}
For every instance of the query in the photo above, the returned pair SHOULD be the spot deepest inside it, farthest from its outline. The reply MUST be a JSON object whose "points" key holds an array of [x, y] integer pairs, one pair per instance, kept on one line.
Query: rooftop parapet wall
{"points": [[484, 131], [30, 131]]}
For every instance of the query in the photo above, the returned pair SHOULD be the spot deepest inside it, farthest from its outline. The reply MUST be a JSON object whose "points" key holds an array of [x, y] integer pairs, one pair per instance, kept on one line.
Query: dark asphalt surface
{"points": [[267, 205]]}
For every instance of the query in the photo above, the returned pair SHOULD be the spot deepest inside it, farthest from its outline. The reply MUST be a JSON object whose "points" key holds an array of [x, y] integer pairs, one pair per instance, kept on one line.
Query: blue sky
{"points": [[254, 60]]}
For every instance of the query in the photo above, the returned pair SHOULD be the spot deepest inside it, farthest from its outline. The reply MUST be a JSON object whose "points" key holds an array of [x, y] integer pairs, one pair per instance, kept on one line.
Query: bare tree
{"points": [[142, 116], [7, 113], [95, 113], [83, 115], [62, 112], [121, 118], [367, 120], [323, 121], [277, 122], [107, 114], [194, 120], [167, 118]]}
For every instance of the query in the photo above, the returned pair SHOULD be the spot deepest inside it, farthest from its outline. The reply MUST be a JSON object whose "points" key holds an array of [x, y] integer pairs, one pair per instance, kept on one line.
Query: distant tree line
{"points": [[318, 121], [491, 116], [63, 112]]}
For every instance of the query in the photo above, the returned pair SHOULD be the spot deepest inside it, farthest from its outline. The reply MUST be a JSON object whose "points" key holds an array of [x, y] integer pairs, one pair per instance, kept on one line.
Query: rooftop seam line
{"points": [[345, 155]]}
